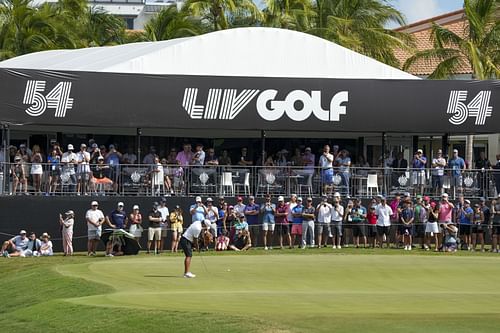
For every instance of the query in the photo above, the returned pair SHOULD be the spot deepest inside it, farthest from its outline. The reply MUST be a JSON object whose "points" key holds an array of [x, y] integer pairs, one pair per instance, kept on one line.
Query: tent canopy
{"points": [[254, 52], [242, 79]]}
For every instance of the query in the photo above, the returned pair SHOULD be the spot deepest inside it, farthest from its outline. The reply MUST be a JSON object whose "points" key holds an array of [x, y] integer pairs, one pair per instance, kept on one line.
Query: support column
{"points": [[469, 151], [263, 146], [493, 147], [139, 133]]}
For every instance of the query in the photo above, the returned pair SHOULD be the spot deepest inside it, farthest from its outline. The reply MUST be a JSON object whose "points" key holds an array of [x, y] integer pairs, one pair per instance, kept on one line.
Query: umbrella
{"points": [[128, 242]]}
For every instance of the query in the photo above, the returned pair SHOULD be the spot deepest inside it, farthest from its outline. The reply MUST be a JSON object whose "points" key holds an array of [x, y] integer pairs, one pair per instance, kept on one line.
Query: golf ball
{"points": [[228, 270]]}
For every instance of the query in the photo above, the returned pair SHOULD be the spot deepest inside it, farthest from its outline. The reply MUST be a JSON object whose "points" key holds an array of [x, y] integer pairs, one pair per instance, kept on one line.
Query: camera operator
{"points": [[198, 211]]}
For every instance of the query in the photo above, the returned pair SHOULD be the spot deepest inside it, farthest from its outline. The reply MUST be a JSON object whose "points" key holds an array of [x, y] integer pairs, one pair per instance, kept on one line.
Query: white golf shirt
{"points": [[193, 231], [384, 213]]}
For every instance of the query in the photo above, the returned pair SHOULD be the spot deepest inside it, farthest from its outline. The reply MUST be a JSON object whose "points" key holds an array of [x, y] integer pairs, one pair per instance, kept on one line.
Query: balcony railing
{"points": [[160, 180]]}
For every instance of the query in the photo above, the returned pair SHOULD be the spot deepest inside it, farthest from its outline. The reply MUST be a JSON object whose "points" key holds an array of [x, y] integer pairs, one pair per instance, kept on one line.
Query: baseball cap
{"points": [[207, 222], [111, 146], [155, 204], [45, 235], [221, 197], [336, 194], [120, 204], [309, 199], [100, 158], [420, 151], [251, 197], [419, 196], [135, 207], [209, 199], [70, 147], [467, 201], [70, 212], [433, 204], [382, 197], [299, 199], [94, 145], [444, 195], [83, 145], [308, 149], [198, 199], [280, 198], [239, 199], [177, 206], [94, 203], [163, 199], [22, 232], [230, 207], [17, 158], [426, 198], [455, 150], [22, 145]]}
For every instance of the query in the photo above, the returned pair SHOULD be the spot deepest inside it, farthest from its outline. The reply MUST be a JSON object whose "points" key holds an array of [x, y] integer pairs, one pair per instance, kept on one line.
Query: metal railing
{"points": [[159, 180]]}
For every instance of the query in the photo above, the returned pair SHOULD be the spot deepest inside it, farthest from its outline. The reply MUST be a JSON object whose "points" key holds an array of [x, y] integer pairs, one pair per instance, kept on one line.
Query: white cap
{"points": [[70, 147], [445, 195], [22, 232], [207, 222], [70, 212], [94, 203], [120, 204], [280, 198], [299, 199], [198, 199], [420, 151], [336, 194], [135, 207]]}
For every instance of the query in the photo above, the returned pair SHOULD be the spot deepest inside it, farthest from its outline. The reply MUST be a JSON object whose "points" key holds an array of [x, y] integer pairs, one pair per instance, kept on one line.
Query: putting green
{"points": [[311, 292]]}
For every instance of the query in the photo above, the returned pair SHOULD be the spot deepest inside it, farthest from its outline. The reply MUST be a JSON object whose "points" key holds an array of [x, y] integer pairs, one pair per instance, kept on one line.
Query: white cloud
{"points": [[416, 10]]}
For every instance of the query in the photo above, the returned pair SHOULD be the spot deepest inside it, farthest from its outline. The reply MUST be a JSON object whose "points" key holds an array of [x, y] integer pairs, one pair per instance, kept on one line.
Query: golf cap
{"points": [[467, 201], [444, 195], [280, 198], [239, 199], [70, 147], [221, 197], [17, 158], [22, 232], [455, 151], [309, 199], [308, 149], [420, 151], [433, 204], [476, 206], [293, 195], [94, 145], [407, 194], [209, 199], [426, 198], [83, 145], [177, 207], [111, 146], [299, 199], [100, 158], [163, 199], [22, 145], [120, 204], [336, 194], [155, 204], [419, 196], [230, 207], [382, 197], [251, 197], [198, 199], [135, 207], [94, 203], [45, 235], [70, 212], [207, 222]]}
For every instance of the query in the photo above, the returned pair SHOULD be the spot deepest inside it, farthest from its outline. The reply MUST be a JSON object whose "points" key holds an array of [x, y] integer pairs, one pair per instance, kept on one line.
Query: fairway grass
{"points": [[261, 292]]}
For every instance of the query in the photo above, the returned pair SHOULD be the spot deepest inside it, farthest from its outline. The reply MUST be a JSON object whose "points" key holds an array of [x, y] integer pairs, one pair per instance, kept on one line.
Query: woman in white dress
{"points": [[36, 168], [67, 231]]}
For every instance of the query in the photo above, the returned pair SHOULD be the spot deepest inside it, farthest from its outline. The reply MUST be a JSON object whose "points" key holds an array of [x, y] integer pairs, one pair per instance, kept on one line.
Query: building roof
{"points": [[454, 21], [252, 52]]}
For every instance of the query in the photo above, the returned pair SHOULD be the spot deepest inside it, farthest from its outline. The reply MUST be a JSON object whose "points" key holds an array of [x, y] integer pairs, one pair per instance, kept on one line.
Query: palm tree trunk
{"points": [[469, 150]]}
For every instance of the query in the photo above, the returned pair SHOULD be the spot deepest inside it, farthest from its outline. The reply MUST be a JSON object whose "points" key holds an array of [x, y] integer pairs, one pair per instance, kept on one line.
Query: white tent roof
{"points": [[253, 52]]}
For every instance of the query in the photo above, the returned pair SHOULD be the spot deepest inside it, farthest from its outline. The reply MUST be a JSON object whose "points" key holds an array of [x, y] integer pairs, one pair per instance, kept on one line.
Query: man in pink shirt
{"points": [[185, 156], [445, 209]]}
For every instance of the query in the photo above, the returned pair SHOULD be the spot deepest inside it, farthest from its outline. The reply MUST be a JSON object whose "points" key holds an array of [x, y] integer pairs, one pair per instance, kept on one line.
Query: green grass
{"points": [[293, 291]]}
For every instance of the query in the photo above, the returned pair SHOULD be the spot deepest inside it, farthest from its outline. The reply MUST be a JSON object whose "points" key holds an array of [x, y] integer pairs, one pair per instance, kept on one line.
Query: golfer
{"points": [[190, 238]]}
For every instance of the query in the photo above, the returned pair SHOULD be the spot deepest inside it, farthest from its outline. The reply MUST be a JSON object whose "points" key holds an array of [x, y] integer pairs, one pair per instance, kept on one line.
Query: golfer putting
{"points": [[190, 239]]}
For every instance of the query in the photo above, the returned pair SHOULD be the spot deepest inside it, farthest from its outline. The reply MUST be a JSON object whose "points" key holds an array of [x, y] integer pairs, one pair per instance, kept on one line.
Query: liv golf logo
{"points": [[298, 105], [478, 108], [57, 99]]}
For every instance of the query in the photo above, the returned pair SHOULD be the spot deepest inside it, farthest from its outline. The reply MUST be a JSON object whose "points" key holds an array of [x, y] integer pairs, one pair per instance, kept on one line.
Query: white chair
{"points": [[245, 184], [226, 181], [307, 185], [371, 183]]}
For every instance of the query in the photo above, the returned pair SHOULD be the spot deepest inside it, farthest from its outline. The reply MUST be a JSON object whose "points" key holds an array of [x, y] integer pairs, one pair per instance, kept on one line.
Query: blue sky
{"points": [[416, 10]]}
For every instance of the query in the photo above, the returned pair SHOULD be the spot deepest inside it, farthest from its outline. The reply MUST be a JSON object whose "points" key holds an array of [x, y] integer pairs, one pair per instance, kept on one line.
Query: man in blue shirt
{"points": [[418, 166], [456, 164], [464, 217], [251, 212], [15, 246], [268, 209], [297, 220], [116, 220], [198, 211]]}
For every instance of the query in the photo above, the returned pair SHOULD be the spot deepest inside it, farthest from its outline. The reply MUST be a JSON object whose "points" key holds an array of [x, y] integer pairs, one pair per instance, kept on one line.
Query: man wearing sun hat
{"points": [[95, 219]]}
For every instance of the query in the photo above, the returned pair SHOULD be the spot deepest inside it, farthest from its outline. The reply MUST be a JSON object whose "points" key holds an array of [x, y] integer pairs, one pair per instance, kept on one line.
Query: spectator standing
{"points": [[222, 217], [245, 159], [198, 211], [496, 174], [95, 219], [185, 157], [213, 216], [418, 165], [281, 217], [135, 219], [484, 166], [67, 222], [477, 227], [239, 208], [343, 162], [371, 218], [54, 161], [326, 165], [464, 217], [456, 164], [358, 218], [68, 160], [19, 175], [176, 225], [297, 220], [37, 169], [225, 159], [129, 157], [420, 218], [251, 212], [154, 230], [406, 227], [198, 156], [113, 158], [150, 157], [438, 165], [117, 220], [308, 160], [432, 228], [83, 170], [308, 214], [337, 216], [163, 209], [324, 218], [495, 224], [383, 212], [268, 209]]}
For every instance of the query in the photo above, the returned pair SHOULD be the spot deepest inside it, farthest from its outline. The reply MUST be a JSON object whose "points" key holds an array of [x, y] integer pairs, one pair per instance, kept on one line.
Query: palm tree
{"points": [[170, 23], [218, 13], [478, 45], [288, 14], [25, 29], [360, 26]]}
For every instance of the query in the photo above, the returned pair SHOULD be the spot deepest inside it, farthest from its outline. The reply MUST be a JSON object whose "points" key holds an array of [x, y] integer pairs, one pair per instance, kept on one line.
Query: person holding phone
{"points": [[95, 219]]}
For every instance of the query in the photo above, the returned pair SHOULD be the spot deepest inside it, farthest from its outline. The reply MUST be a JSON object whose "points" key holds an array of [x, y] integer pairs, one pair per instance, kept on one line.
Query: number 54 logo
{"points": [[478, 107], [58, 98]]}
